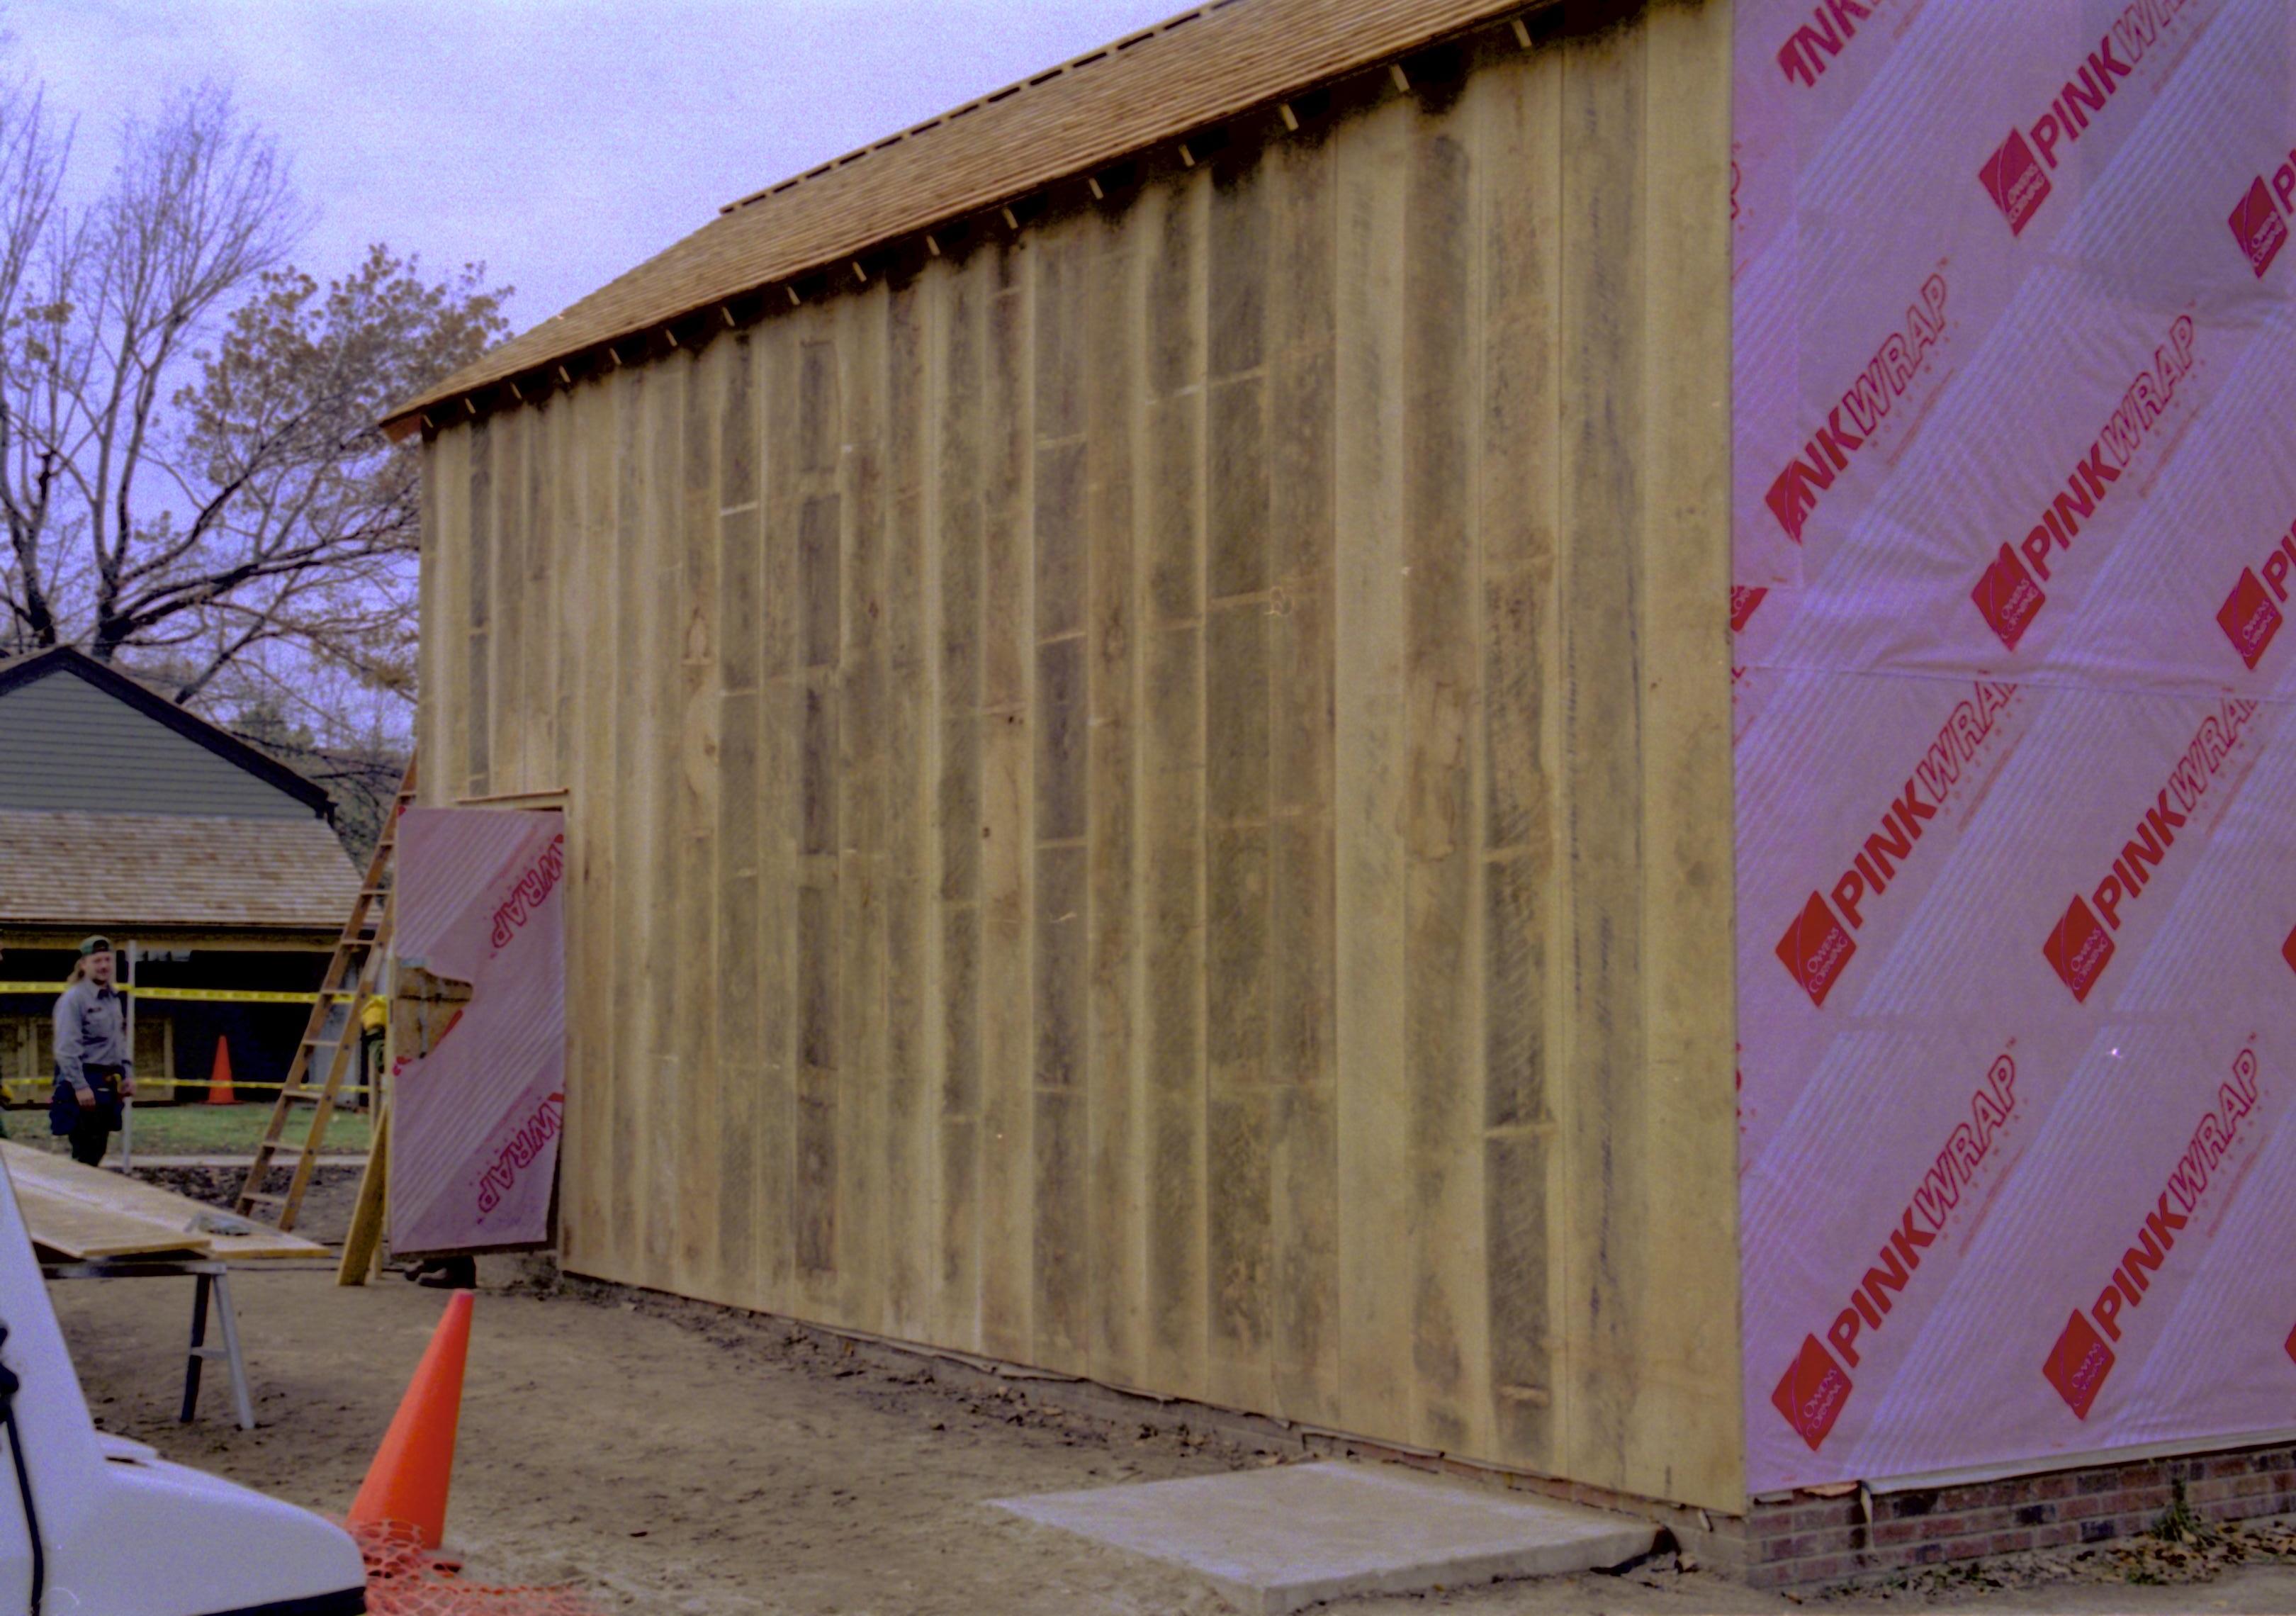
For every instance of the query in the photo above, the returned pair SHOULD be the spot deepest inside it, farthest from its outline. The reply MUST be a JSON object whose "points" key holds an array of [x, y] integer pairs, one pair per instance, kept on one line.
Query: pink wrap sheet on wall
{"points": [[2014, 482], [474, 1123]]}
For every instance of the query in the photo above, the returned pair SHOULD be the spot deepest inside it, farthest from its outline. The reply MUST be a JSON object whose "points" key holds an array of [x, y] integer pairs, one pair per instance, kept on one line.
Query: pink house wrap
{"points": [[2015, 368], [475, 1121]]}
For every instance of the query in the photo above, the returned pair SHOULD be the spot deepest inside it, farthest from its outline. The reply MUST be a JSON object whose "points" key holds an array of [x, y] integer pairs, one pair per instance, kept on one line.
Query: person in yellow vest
{"points": [[375, 1016]]}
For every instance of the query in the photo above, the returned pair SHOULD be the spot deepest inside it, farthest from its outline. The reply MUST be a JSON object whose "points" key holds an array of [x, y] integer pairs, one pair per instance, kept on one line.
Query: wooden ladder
{"points": [[365, 938]]}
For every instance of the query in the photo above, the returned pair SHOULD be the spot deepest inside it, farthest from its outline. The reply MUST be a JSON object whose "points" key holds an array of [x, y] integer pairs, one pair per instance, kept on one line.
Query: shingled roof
{"points": [[153, 872], [1198, 69]]}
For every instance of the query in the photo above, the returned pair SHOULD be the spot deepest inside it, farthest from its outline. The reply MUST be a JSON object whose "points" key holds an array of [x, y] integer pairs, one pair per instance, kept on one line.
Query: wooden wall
{"points": [[1155, 800]]}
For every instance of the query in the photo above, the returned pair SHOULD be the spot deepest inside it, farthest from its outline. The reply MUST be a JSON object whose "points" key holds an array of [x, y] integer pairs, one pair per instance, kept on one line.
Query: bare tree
{"points": [[189, 468]]}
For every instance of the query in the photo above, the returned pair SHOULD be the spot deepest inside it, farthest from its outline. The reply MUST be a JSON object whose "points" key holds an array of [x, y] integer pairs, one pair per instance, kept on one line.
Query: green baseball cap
{"points": [[94, 944]]}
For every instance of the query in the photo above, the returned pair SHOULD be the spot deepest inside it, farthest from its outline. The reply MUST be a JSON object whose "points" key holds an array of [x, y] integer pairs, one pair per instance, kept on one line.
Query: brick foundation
{"points": [[1807, 1540]]}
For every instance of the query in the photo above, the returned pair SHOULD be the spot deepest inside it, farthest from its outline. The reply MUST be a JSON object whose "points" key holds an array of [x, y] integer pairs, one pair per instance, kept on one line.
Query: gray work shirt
{"points": [[91, 1031]]}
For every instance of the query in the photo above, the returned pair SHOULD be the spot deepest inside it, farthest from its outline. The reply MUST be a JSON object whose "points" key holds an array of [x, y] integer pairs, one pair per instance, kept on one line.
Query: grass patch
{"points": [[203, 1130]]}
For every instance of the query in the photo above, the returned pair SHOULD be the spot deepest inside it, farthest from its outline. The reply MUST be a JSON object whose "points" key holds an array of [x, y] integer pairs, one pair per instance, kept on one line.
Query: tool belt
{"points": [[63, 1106]]}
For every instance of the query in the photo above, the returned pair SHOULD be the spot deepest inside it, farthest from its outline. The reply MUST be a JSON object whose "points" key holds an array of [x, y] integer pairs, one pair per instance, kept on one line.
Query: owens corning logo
{"points": [[2016, 182], [2250, 614], [2014, 176], [1817, 946], [2081, 947], [2260, 224], [1923, 1219], [2288, 950], [2006, 596], [1743, 602], [1832, 26], [1793, 494], [2078, 1363], [2259, 228], [1812, 1393], [2291, 1344]]}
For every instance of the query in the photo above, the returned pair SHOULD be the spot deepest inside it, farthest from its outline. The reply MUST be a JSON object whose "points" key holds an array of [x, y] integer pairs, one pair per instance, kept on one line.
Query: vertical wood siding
{"points": [[1154, 801]]}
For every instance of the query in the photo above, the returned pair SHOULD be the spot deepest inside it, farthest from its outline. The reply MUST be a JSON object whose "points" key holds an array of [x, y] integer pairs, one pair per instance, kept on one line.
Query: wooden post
{"points": [[127, 1106]]}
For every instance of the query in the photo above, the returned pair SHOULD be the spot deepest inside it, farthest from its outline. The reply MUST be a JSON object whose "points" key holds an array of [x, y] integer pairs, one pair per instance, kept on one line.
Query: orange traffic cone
{"points": [[406, 1484], [219, 1079]]}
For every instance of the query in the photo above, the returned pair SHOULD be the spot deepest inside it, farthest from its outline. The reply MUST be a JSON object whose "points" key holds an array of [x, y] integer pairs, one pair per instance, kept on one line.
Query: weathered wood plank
{"points": [[626, 1203], [1607, 1236], [508, 609], [446, 624], [1443, 1002], [957, 796], [663, 979], [908, 851], [862, 674], [1519, 132], [1304, 1212], [1172, 784], [567, 595], [1117, 1277], [538, 764], [1060, 779], [591, 818], [1237, 1207], [694, 992], [1007, 1166], [478, 595], [1371, 790], [1684, 1440], [741, 710], [781, 698], [816, 1205]]}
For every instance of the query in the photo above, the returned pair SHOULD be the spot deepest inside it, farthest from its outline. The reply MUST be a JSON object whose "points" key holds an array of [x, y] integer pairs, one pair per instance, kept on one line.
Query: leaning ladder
{"points": [[365, 938]]}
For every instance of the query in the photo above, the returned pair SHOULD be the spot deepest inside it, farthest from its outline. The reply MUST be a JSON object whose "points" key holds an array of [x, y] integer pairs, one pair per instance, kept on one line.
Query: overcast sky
{"points": [[561, 140]]}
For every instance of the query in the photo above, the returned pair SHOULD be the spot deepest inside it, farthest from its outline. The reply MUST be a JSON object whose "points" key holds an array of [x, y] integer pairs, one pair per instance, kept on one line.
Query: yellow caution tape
{"points": [[224, 995], [41, 1087], [217, 995]]}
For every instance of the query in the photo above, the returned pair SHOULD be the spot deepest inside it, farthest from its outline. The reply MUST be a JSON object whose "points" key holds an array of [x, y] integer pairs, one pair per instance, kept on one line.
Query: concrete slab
{"points": [[1277, 1540]]}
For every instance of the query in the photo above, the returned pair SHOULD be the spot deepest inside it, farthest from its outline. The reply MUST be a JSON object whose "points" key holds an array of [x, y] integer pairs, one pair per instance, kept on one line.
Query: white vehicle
{"points": [[93, 1525]]}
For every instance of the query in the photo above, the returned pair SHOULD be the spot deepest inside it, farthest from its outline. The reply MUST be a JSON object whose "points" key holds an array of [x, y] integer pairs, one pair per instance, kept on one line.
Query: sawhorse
{"points": [[210, 1276]]}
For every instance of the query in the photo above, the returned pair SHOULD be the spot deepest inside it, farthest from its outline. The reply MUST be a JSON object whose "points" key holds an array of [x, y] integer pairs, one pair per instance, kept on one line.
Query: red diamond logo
{"points": [[1812, 1393], [2248, 617], [2080, 948], [2259, 228], [2078, 1364], [1816, 948], [2008, 597], [2016, 182]]}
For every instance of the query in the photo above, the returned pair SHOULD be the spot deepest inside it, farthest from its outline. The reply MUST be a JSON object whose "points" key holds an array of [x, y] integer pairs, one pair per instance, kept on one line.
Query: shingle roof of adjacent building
{"points": [[1196, 69], [118, 871], [79, 733]]}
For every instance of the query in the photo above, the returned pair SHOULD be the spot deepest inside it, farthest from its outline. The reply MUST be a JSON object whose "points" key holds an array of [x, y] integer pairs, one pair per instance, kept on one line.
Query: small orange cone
{"points": [[219, 1079], [406, 1484]]}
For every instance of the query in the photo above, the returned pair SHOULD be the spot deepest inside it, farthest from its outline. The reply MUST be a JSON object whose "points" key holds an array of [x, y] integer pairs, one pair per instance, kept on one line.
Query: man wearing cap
{"points": [[92, 1066]]}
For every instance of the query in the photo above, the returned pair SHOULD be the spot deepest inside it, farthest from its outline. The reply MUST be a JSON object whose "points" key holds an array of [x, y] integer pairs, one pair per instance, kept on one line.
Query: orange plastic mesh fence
{"points": [[404, 1578]]}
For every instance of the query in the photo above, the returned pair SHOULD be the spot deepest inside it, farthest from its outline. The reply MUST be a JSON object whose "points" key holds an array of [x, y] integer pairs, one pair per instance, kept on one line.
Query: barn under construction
{"points": [[1139, 682]]}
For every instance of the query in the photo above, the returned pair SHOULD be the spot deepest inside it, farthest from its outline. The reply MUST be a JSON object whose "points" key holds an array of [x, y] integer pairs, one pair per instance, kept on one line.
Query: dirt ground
{"points": [[672, 1458]]}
